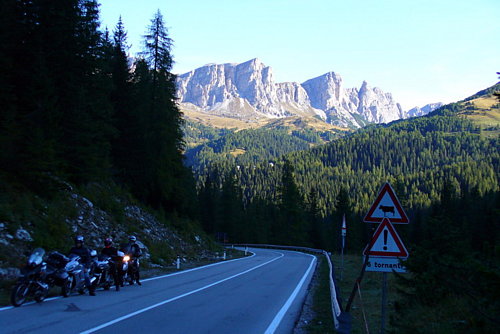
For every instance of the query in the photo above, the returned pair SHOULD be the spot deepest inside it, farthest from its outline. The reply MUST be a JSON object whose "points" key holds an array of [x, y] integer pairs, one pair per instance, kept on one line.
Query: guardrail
{"points": [[341, 320]]}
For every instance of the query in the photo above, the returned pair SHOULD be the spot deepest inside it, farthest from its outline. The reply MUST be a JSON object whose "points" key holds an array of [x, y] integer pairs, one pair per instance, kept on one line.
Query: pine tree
{"points": [[317, 232], [125, 144], [163, 134], [292, 229]]}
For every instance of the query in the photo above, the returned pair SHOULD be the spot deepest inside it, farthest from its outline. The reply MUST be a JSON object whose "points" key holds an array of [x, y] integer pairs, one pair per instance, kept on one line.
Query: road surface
{"points": [[262, 293]]}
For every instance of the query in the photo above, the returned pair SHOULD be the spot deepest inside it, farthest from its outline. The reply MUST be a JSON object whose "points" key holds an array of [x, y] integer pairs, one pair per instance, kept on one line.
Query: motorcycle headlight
{"points": [[126, 258]]}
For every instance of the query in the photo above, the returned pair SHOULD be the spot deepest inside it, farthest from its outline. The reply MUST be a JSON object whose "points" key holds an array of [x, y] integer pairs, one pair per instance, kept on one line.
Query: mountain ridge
{"points": [[248, 91]]}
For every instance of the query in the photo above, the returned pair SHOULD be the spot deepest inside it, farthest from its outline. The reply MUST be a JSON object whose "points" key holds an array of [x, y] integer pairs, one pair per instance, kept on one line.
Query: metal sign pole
{"points": [[384, 302], [344, 233], [342, 259]]}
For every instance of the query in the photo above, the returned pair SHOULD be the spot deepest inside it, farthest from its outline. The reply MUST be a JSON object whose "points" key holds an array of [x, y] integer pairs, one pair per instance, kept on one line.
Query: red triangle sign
{"points": [[386, 242], [386, 206]]}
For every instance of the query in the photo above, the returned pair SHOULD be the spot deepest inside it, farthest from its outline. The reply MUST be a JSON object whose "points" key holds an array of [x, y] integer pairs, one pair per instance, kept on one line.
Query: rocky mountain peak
{"points": [[248, 91]]}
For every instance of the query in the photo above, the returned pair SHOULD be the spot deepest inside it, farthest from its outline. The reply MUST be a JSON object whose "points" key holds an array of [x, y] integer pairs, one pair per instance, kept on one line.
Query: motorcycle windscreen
{"points": [[36, 257]]}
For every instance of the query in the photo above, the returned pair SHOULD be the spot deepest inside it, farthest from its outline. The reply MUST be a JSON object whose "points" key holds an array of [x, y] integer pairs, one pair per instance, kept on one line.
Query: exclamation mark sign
{"points": [[385, 238]]}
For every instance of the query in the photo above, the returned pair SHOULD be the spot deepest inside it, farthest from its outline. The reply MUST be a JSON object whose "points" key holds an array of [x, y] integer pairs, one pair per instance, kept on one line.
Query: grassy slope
{"points": [[483, 108], [295, 122], [485, 112]]}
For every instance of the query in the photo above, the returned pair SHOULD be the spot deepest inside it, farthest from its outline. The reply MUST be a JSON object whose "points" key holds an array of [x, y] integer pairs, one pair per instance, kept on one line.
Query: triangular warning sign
{"points": [[386, 206], [386, 242]]}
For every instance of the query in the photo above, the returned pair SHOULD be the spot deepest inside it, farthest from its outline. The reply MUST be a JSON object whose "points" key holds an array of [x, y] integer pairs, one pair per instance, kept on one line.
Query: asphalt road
{"points": [[258, 294]]}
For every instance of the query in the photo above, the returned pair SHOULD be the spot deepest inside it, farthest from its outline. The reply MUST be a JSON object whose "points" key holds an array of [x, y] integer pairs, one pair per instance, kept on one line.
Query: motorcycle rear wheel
{"points": [[19, 294]]}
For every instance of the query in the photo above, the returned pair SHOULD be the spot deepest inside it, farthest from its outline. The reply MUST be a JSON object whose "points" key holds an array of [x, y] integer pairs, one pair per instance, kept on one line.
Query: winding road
{"points": [[262, 293]]}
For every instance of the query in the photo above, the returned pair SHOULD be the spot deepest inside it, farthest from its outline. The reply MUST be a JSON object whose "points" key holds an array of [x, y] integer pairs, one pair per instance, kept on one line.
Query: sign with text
{"points": [[385, 264]]}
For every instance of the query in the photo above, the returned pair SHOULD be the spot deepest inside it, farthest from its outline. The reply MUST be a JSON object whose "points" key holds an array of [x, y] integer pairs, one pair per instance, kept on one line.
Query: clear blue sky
{"points": [[421, 51]]}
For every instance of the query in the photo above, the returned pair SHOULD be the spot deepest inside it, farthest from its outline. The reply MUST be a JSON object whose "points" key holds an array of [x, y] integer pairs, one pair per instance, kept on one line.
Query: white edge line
{"points": [[109, 323], [281, 314], [5, 308]]}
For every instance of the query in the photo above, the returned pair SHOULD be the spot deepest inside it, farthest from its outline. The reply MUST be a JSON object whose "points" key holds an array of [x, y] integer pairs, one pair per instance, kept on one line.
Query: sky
{"points": [[420, 51]]}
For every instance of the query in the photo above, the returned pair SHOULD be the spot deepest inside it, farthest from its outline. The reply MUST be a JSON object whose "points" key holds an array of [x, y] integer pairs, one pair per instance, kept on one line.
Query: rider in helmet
{"points": [[85, 258], [112, 252], [134, 250]]}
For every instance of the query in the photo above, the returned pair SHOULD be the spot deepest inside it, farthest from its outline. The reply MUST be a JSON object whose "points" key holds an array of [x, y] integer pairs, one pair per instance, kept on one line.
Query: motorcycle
{"points": [[76, 272], [31, 283], [133, 270], [56, 274], [122, 267], [102, 271]]}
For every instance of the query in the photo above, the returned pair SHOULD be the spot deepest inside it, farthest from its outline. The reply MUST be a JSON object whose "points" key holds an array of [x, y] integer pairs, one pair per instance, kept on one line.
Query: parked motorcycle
{"points": [[122, 267], [133, 270], [76, 272], [31, 283], [132, 274], [102, 271], [56, 273]]}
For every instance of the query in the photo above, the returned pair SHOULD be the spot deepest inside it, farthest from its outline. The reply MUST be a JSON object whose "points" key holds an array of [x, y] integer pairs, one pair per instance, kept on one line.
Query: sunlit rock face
{"points": [[248, 91]]}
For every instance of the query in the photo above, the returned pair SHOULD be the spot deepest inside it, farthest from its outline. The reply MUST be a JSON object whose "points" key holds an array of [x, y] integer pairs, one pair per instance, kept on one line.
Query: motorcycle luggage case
{"points": [[57, 260]]}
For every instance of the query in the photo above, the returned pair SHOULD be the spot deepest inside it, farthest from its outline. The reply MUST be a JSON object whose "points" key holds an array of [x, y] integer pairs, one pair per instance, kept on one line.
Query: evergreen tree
{"points": [[208, 198], [161, 123], [158, 47], [232, 210], [292, 228], [121, 97], [317, 230], [82, 87]]}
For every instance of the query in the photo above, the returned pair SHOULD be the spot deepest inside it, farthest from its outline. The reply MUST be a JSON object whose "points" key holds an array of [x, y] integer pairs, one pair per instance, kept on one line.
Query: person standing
{"points": [[112, 252], [85, 259], [135, 252]]}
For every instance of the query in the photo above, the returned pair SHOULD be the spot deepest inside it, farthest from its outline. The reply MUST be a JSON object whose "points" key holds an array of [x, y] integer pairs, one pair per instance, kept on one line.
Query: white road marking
{"points": [[279, 316], [107, 324], [197, 268]]}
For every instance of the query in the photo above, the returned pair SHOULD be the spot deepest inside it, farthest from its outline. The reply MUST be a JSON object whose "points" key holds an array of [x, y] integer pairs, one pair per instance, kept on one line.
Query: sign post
{"points": [[386, 250], [384, 302]]}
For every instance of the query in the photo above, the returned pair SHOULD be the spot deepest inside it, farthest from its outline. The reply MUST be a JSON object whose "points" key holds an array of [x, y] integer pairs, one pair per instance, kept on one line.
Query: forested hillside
{"points": [[418, 156], [445, 169], [247, 147]]}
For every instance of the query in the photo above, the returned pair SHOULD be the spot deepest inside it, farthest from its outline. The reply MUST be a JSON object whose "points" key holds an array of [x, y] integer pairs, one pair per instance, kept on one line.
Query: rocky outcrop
{"points": [[17, 239], [244, 90], [247, 91], [375, 106]]}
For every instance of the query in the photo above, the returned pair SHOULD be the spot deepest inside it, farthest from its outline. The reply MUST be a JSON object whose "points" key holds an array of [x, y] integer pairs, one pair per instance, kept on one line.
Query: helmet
{"points": [[79, 239], [108, 242], [132, 238]]}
